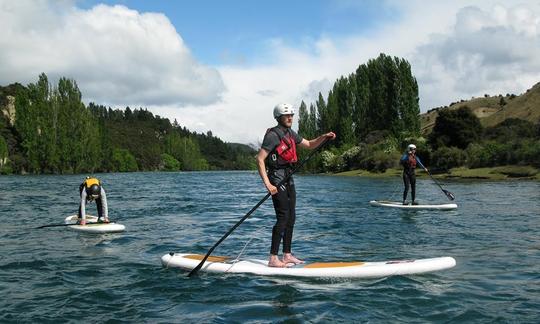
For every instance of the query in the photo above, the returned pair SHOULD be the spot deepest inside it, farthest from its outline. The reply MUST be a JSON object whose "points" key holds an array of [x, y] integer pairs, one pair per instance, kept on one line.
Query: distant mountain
{"points": [[492, 110]]}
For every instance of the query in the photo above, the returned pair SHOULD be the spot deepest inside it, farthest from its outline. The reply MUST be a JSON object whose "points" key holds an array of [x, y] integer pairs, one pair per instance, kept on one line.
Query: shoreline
{"points": [[508, 172]]}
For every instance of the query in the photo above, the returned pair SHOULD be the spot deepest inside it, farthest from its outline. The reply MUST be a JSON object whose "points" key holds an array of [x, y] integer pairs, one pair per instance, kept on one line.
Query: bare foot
{"points": [[277, 264], [289, 258]]}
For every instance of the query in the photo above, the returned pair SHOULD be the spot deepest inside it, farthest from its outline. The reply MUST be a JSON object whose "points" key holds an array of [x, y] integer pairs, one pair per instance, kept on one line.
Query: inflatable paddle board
{"points": [[99, 228], [395, 204], [219, 264]]}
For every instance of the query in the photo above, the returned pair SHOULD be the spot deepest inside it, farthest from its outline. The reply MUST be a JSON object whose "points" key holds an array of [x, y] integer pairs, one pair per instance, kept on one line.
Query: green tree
{"points": [[456, 128], [345, 101], [185, 150], [409, 107], [41, 136], [4, 154], [78, 131], [169, 163], [323, 121], [445, 158], [313, 122], [304, 127], [360, 115], [124, 161], [26, 128]]}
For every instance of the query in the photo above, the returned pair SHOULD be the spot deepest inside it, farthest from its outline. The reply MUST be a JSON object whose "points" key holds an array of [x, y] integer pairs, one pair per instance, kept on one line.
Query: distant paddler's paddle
{"points": [[446, 192], [296, 168], [57, 225]]}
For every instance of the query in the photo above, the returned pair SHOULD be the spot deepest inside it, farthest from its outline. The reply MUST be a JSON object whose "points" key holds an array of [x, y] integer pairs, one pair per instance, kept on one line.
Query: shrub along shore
{"points": [[508, 172]]}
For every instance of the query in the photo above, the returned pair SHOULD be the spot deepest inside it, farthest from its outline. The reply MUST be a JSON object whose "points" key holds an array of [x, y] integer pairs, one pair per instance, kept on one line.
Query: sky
{"points": [[222, 66]]}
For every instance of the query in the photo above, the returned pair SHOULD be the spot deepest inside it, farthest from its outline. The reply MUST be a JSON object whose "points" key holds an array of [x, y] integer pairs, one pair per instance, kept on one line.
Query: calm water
{"points": [[57, 275]]}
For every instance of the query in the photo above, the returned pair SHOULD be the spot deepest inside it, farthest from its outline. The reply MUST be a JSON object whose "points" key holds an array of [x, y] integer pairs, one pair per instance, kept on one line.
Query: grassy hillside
{"points": [[493, 110]]}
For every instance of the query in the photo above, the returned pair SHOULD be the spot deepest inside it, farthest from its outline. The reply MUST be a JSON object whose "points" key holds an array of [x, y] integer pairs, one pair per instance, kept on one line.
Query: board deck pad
{"points": [[347, 269]]}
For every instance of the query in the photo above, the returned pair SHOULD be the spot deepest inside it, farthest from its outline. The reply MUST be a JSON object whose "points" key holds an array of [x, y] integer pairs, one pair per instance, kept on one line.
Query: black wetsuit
{"points": [[409, 176], [285, 199]]}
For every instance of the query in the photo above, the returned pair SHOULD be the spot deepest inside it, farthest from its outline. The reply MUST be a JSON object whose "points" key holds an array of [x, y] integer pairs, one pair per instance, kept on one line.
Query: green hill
{"points": [[493, 110]]}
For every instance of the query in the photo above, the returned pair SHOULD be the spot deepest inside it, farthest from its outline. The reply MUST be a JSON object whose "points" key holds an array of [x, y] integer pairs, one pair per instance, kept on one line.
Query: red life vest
{"points": [[284, 154], [412, 161]]}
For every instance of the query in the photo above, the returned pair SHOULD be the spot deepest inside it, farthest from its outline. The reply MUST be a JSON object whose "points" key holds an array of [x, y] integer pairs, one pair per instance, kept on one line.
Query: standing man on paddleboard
{"points": [[92, 190], [275, 161], [409, 160]]}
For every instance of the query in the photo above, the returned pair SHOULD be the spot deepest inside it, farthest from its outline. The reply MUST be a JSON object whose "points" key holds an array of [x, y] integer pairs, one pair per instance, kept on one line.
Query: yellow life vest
{"points": [[91, 181]]}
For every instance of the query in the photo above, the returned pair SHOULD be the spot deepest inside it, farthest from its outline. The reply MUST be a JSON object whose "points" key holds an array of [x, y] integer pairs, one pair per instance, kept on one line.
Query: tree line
{"points": [[375, 113], [458, 139], [54, 132], [377, 104]]}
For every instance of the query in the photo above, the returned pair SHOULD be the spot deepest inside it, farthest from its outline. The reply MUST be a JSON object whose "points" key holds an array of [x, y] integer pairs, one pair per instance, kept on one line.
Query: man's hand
{"points": [[330, 135], [271, 189]]}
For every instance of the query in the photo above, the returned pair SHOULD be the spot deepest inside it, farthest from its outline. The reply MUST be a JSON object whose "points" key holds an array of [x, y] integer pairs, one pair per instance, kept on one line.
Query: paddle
{"points": [[448, 194], [56, 225], [296, 168]]}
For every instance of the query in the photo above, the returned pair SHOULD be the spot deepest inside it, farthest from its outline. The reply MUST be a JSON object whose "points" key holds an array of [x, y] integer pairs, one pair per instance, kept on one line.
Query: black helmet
{"points": [[93, 191]]}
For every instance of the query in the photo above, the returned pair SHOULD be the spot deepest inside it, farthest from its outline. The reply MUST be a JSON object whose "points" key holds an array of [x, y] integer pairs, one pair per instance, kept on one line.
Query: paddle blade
{"points": [[450, 195], [194, 271]]}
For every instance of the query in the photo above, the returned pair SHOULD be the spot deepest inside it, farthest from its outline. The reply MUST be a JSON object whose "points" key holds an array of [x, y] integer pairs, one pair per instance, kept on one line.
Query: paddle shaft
{"points": [[66, 224], [296, 168], [56, 225], [448, 194]]}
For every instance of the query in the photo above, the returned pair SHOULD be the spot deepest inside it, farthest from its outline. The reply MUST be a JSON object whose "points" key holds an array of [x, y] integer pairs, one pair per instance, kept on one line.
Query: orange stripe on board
{"points": [[333, 264], [210, 258]]}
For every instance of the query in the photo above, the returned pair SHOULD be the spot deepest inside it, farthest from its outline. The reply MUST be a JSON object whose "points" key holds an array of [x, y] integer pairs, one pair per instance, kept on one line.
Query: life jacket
{"points": [[284, 154], [412, 161]]}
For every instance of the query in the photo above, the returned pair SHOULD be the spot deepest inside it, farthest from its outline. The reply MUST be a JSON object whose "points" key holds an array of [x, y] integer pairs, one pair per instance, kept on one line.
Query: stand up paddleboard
{"points": [[395, 204], [219, 264], [96, 227]]}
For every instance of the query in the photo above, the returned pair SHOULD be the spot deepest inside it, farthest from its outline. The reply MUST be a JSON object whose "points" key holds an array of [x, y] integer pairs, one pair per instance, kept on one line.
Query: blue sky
{"points": [[223, 32], [223, 65]]}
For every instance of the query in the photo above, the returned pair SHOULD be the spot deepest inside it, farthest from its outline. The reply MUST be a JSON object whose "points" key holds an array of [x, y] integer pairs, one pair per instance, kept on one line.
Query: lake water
{"points": [[58, 275]]}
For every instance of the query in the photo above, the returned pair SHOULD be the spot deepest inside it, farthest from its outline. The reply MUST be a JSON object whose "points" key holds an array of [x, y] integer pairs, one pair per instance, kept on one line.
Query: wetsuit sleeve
{"points": [[419, 162], [270, 141], [83, 205], [104, 205], [404, 159], [297, 138]]}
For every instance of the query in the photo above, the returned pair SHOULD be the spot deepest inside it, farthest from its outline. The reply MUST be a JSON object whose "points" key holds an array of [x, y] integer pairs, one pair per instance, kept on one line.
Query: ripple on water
{"points": [[57, 275]]}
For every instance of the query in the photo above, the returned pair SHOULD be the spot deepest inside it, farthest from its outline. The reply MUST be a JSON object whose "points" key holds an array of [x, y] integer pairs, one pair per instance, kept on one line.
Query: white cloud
{"points": [[455, 51], [122, 57], [117, 55], [493, 50]]}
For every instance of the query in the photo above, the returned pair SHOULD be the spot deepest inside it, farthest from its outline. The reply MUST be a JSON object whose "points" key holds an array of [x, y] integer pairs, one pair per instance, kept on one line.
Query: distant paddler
{"points": [[409, 160], [92, 190]]}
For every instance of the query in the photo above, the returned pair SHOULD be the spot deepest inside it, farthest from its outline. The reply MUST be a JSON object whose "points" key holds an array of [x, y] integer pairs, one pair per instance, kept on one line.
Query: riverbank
{"points": [[508, 172]]}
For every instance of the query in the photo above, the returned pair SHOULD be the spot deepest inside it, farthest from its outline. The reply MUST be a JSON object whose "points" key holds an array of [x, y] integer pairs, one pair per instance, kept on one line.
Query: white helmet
{"points": [[411, 147], [283, 109]]}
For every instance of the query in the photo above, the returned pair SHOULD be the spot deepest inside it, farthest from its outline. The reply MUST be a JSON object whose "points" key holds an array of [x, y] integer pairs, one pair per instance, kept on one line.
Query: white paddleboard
{"points": [[395, 204], [99, 228], [218, 264]]}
